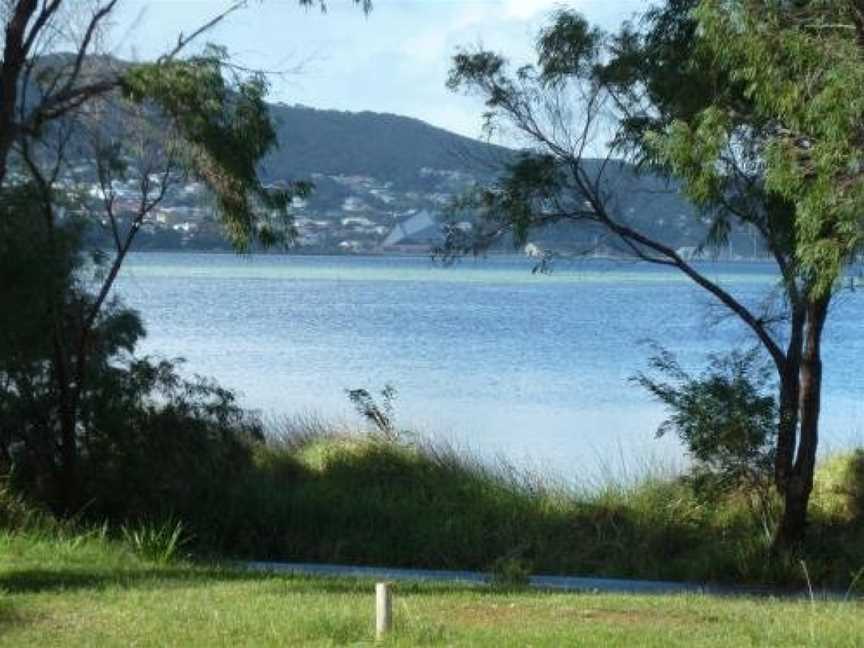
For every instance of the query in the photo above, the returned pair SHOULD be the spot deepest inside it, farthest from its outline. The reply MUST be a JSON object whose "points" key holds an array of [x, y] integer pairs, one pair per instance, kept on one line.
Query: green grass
{"points": [[339, 498], [319, 495], [59, 588]]}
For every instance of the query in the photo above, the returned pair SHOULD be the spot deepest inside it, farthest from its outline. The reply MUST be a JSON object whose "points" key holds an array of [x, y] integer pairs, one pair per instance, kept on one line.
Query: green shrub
{"points": [[725, 418], [839, 486], [158, 446], [510, 573], [17, 514], [159, 543]]}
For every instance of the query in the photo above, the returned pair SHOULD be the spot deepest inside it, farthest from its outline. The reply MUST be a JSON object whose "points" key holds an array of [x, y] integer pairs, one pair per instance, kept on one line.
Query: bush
{"points": [[84, 424], [158, 446], [510, 574], [724, 417]]}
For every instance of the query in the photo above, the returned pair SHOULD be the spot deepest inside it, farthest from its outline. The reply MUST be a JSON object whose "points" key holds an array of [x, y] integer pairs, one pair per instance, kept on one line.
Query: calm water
{"points": [[534, 368]]}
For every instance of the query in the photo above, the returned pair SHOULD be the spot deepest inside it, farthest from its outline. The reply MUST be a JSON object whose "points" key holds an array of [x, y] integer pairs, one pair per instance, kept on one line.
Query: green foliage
{"points": [[839, 491], [801, 71], [33, 268], [723, 417], [100, 594], [223, 129], [752, 109], [158, 445], [569, 46], [358, 500], [48, 301], [380, 415], [634, 85], [510, 574], [156, 543], [151, 443], [16, 514], [520, 199], [361, 500], [692, 151]]}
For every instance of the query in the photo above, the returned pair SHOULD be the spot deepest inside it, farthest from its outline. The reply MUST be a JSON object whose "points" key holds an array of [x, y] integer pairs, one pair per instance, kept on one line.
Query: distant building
{"points": [[690, 253], [353, 204], [534, 251], [350, 246], [360, 221], [418, 233]]}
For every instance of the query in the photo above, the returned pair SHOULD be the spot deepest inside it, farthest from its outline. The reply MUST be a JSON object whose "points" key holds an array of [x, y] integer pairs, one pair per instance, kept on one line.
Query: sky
{"points": [[394, 60]]}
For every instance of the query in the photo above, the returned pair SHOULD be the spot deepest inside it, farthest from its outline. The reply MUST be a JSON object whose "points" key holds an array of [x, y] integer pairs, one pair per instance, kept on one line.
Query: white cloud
{"points": [[396, 60], [526, 9]]}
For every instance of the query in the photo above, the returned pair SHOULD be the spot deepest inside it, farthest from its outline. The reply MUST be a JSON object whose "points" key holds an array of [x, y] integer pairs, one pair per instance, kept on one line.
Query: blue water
{"points": [[485, 354]]}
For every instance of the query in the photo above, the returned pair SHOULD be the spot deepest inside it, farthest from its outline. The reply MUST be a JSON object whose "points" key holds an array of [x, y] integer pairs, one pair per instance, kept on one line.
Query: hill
{"points": [[374, 171], [384, 146]]}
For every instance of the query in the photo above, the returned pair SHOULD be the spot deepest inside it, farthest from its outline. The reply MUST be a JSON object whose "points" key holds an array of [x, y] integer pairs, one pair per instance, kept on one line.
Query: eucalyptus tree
{"points": [[31, 95], [799, 66], [152, 124], [695, 93]]}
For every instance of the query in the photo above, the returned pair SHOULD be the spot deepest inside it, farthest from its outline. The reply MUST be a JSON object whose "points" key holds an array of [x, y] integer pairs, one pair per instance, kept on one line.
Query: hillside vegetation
{"points": [[385, 146]]}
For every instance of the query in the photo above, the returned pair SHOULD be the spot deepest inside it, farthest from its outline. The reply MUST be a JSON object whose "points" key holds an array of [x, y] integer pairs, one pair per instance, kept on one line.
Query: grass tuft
{"points": [[158, 543]]}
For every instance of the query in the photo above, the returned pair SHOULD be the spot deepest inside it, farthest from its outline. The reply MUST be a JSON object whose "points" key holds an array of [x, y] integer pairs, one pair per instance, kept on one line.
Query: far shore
{"points": [[423, 255]]}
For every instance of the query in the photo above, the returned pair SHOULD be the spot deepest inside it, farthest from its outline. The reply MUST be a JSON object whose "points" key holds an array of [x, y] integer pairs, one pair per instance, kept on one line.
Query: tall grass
{"points": [[158, 543], [333, 494], [324, 493]]}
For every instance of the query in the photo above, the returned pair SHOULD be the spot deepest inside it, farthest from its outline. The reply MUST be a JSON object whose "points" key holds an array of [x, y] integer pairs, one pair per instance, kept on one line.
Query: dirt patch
{"points": [[513, 614]]}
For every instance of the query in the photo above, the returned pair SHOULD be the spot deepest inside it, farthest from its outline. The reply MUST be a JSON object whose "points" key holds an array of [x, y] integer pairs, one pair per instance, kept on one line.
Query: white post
{"points": [[383, 610]]}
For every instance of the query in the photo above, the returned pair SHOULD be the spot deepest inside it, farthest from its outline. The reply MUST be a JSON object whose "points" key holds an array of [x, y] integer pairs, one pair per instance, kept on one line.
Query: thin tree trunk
{"points": [[799, 484], [66, 484], [69, 477], [14, 59], [790, 388]]}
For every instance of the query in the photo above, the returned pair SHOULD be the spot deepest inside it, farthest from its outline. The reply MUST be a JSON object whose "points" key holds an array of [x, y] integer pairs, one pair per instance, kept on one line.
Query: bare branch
{"points": [[184, 41]]}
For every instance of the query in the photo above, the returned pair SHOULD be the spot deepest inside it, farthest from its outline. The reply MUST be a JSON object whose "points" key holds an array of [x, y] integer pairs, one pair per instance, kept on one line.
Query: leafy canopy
{"points": [[224, 130], [800, 67]]}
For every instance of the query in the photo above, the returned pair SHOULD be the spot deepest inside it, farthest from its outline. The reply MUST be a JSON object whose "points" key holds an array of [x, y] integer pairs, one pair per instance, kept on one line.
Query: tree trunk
{"points": [[14, 59], [69, 478], [799, 483], [67, 497], [790, 389]]}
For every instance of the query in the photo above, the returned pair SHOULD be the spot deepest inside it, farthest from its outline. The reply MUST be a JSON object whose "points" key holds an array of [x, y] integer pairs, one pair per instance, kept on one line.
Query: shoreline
{"points": [[430, 254]]}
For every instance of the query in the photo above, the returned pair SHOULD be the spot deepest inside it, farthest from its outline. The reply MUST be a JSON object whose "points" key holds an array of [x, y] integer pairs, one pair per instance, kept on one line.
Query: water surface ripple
{"points": [[533, 368]]}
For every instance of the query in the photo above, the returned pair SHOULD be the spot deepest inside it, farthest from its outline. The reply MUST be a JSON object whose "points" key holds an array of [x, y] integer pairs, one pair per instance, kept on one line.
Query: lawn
{"points": [[84, 590]]}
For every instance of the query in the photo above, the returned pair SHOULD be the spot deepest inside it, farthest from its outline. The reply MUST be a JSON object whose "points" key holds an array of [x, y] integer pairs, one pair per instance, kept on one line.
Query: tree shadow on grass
{"points": [[35, 581], [38, 581]]}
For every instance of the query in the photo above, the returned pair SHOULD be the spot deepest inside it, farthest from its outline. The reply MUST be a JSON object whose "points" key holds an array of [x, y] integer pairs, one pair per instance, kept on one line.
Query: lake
{"points": [[485, 354]]}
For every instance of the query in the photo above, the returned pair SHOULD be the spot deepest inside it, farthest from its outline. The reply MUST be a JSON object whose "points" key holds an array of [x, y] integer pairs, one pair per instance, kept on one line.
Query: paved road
{"points": [[564, 583]]}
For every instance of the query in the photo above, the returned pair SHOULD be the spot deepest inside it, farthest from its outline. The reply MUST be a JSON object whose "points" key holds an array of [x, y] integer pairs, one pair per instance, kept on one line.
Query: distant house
{"points": [[534, 251], [690, 253], [353, 204], [357, 221], [350, 246], [418, 233]]}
